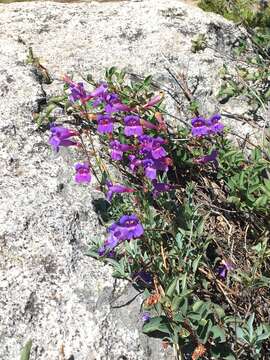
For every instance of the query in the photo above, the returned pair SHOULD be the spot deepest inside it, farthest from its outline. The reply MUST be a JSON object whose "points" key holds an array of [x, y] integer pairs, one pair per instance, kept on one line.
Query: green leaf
{"points": [[261, 201], [197, 305], [195, 263], [203, 330], [250, 325], [219, 311], [239, 333], [263, 336], [172, 287], [218, 333], [26, 350], [147, 81], [93, 254], [184, 281], [158, 323]]}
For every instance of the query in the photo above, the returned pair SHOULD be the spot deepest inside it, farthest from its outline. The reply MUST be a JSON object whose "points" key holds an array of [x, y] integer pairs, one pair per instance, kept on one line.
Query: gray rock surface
{"points": [[49, 290]]}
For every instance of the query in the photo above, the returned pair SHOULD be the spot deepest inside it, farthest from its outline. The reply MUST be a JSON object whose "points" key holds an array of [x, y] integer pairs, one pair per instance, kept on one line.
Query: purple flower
{"points": [[110, 98], [113, 103], [163, 164], [202, 127], [101, 90], [133, 126], [134, 162], [60, 137], [150, 165], [77, 92], [116, 188], [208, 158], [127, 228], [214, 125], [153, 146], [155, 100], [105, 124], [149, 168], [132, 226], [161, 187], [82, 173], [223, 269], [109, 244], [199, 126], [145, 317], [115, 107], [157, 150], [146, 143], [118, 149], [144, 277]]}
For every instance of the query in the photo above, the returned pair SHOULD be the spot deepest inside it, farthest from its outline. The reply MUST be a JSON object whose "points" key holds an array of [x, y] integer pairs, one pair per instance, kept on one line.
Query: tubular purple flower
{"points": [[82, 173], [116, 188], [101, 90], [199, 126], [208, 158], [157, 150], [132, 226], [133, 126], [215, 126], [146, 143], [109, 244], [118, 149], [60, 137], [127, 228], [121, 107], [149, 169], [161, 187], [202, 127], [105, 124], [134, 162], [116, 107], [144, 277], [152, 146], [145, 317], [223, 269], [163, 164], [110, 98], [77, 92], [155, 100]]}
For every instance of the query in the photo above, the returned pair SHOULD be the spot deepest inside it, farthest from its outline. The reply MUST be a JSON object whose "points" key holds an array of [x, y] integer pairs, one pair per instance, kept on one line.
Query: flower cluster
{"points": [[127, 228], [204, 127], [146, 154], [160, 204]]}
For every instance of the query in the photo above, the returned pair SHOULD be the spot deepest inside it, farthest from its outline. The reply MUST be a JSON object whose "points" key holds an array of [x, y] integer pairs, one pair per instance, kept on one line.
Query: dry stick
{"points": [[229, 234], [252, 144], [260, 101], [245, 240], [181, 83], [164, 257], [221, 286], [184, 88], [87, 155], [251, 33], [239, 117], [211, 277], [167, 90]]}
